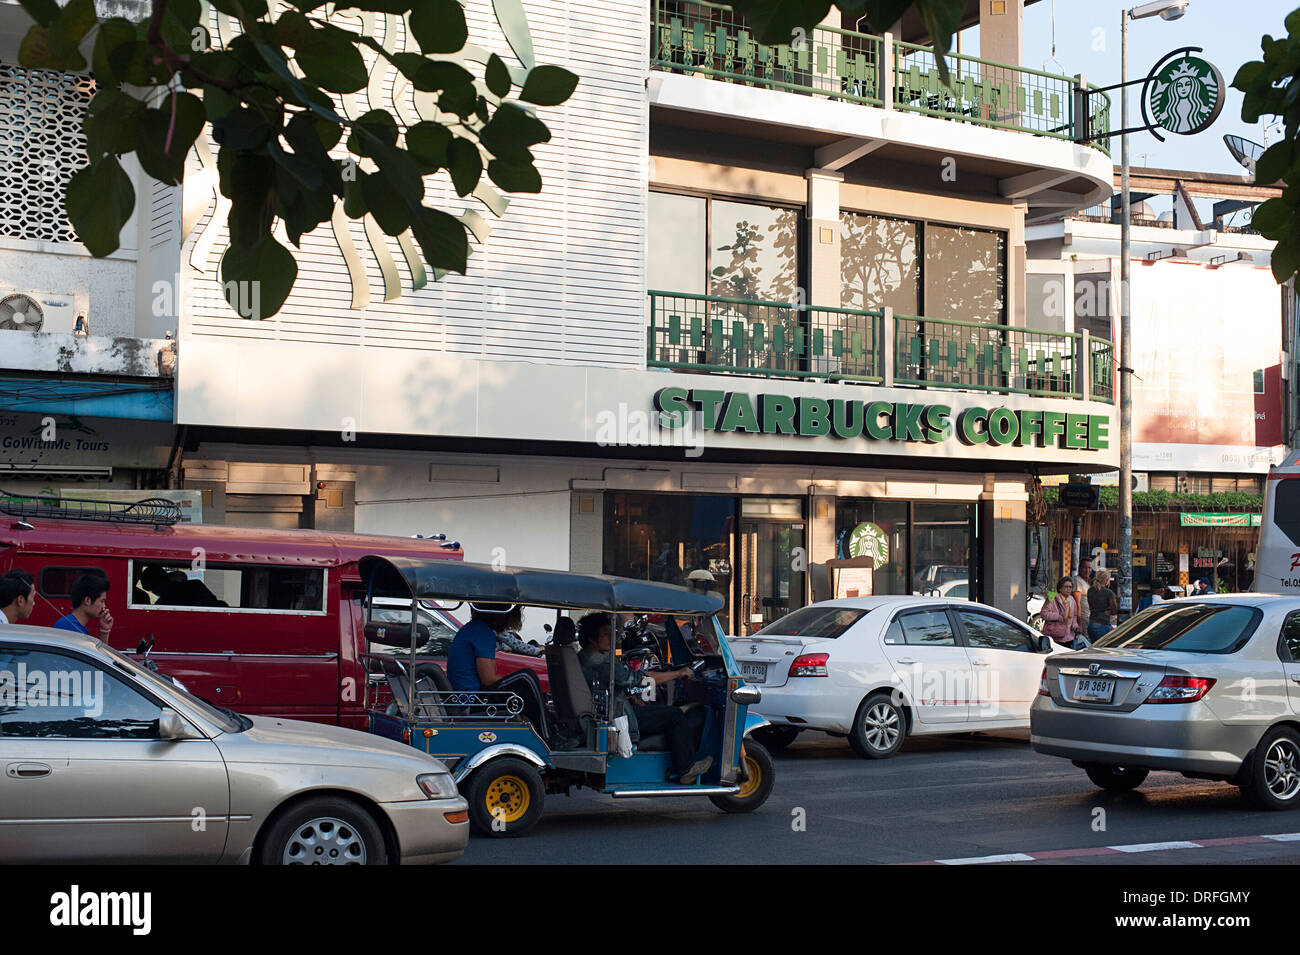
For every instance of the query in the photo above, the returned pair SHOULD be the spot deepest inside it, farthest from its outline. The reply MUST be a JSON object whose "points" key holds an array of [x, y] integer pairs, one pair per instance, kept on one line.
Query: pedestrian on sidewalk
{"points": [[1103, 607], [1061, 617]]}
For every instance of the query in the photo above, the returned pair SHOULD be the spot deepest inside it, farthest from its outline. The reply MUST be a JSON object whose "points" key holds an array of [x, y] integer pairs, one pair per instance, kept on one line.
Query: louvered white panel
{"points": [[560, 279]]}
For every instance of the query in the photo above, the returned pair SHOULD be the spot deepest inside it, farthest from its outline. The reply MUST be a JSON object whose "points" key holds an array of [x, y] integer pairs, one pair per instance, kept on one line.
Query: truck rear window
{"points": [[1187, 627]]}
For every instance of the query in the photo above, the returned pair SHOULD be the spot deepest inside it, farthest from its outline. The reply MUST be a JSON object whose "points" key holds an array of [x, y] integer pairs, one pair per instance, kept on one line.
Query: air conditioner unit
{"points": [[37, 311]]}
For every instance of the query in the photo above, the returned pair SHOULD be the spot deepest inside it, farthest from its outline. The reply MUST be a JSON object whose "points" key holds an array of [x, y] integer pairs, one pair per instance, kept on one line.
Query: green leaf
{"points": [[1285, 258], [44, 12], [179, 20], [402, 172], [378, 123], [332, 61], [118, 57], [241, 129], [1272, 217], [110, 123], [438, 25], [354, 200], [460, 100], [427, 141], [258, 277], [303, 170], [304, 133], [1274, 163], [442, 239], [99, 201], [548, 85], [390, 209], [510, 133], [515, 177], [378, 6], [497, 76], [167, 165], [34, 54], [67, 32], [251, 185], [465, 164], [428, 75], [1248, 74]]}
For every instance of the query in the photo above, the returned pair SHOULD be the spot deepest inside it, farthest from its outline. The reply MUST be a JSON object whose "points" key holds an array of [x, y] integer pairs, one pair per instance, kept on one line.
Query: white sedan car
{"points": [[879, 669]]}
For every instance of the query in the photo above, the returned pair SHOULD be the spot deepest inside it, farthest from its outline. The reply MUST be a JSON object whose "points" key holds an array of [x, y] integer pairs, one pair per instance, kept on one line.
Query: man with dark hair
{"points": [[644, 719], [17, 596], [89, 602], [472, 659]]}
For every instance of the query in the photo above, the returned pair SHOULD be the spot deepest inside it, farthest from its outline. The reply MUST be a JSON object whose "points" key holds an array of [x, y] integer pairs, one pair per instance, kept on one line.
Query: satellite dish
{"points": [[1245, 151]]}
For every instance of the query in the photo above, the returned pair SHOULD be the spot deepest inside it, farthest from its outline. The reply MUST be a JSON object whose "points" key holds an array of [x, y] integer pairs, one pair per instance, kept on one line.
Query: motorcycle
{"points": [[1034, 604]]}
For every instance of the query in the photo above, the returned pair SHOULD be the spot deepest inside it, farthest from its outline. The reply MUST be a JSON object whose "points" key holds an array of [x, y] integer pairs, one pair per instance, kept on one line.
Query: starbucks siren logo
{"points": [[868, 540], [1185, 95]]}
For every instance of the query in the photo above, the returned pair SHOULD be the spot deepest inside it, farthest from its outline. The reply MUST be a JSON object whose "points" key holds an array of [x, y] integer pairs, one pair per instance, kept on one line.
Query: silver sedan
{"points": [[104, 761], [1209, 687]]}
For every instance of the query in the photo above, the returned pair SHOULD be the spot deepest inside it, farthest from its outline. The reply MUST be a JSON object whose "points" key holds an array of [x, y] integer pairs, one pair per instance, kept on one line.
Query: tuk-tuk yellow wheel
{"points": [[505, 797], [759, 772]]}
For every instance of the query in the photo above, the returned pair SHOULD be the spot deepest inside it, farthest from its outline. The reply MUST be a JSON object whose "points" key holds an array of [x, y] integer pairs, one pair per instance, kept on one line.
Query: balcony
{"points": [[711, 334], [705, 39]]}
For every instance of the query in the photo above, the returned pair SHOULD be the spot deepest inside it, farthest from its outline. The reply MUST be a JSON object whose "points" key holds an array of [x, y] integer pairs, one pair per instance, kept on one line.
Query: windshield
{"points": [[1186, 626], [815, 623], [227, 720]]}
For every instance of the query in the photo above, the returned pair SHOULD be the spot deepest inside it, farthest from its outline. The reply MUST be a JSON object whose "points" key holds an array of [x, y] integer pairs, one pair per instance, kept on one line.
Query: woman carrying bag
{"points": [[1061, 617]]}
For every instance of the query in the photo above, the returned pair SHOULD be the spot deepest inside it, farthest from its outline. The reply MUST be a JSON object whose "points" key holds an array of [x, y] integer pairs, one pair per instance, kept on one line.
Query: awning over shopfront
{"points": [[140, 399]]}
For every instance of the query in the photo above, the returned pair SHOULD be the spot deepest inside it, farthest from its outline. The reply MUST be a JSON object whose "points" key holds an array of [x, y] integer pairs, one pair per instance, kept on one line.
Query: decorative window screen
{"points": [[41, 146]]}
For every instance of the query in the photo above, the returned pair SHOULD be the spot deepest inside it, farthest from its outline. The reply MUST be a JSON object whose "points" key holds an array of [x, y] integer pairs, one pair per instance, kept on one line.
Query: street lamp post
{"points": [[1166, 10]]}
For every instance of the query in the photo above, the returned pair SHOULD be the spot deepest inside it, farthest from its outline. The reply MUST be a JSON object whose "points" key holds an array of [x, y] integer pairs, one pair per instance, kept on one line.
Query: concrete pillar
{"points": [[824, 222], [587, 532], [1002, 525], [821, 540], [1002, 31]]}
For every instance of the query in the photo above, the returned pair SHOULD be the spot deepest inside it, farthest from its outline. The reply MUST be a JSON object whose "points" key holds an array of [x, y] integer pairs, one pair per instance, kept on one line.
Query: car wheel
{"points": [[878, 728], [505, 797], [1116, 779], [775, 738], [1273, 781], [760, 773], [324, 830]]}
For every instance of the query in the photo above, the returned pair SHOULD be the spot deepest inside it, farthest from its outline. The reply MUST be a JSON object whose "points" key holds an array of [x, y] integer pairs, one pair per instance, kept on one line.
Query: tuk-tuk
{"points": [[505, 753]]}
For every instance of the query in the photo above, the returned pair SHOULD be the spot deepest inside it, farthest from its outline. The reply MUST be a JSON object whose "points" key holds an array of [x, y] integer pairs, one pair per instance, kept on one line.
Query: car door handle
{"points": [[27, 770], [908, 660], [1295, 679], [979, 663]]}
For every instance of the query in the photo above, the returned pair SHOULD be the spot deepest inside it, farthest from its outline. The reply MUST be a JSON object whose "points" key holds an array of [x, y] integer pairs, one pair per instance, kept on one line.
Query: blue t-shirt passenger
{"points": [[473, 641], [70, 622]]}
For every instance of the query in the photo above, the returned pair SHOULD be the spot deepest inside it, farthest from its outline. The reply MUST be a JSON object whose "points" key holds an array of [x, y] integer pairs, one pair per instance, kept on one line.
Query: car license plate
{"points": [[754, 671], [1094, 691]]}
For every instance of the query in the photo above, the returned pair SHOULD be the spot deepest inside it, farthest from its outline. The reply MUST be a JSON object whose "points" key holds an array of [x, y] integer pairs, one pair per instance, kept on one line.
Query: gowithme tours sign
{"points": [[737, 412]]}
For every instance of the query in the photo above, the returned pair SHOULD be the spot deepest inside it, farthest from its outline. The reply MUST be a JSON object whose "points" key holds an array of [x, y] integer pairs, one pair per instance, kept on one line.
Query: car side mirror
{"points": [[172, 726], [1044, 644]]}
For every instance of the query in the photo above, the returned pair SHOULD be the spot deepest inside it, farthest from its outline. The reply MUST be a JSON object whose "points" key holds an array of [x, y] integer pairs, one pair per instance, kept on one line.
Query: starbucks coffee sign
{"points": [[873, 421], [1182, 94], [868, 540]]}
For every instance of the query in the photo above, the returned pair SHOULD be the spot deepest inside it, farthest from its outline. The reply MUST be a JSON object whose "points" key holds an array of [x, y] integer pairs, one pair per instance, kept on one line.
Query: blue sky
{"points": [[1088, 42]]}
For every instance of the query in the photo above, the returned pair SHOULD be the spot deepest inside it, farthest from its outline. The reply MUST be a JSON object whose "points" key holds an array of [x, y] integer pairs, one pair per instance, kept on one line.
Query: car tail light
{"points": [[1043, 688], [809, 664], [1180, 689]]}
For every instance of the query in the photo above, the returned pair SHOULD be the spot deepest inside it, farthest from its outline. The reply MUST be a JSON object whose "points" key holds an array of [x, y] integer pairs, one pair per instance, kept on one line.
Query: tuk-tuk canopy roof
{"points": [[481, 583]]}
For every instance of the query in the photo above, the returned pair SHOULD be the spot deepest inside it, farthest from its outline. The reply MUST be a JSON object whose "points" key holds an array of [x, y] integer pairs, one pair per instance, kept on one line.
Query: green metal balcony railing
{"points": [[738, 336], [711, 40], [977, 356], [707, 39], [716, 335]]}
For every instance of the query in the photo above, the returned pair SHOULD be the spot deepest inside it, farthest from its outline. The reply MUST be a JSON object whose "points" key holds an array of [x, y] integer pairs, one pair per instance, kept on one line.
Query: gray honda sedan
{"points": [[105, 761], [1208, 687]]}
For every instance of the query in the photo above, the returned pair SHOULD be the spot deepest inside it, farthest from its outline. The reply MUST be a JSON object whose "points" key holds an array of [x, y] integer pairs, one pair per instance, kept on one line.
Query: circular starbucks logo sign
{"points": [[1184, 94], [868, 540]]}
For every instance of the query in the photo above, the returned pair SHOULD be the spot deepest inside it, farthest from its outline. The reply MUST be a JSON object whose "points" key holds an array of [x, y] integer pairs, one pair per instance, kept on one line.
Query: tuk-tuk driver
{"points": [[644, 719]]}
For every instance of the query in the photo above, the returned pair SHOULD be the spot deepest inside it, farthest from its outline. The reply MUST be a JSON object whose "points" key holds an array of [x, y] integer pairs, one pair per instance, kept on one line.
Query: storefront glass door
{"points": [[773, 561]]}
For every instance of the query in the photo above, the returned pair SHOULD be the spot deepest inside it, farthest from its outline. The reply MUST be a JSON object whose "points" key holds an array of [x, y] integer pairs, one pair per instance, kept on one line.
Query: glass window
{"points": [[923, 628], [1045, 301], [991, 633], [1289, 646], [878, 264], [815, 623], [58, 581], [1185, 626], [975, 256], [239, 587], [1092, 304], [435, 628], [678, 231], [666, 536], [755, 252], [890, 575], [941, 544], [45, 694]]}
